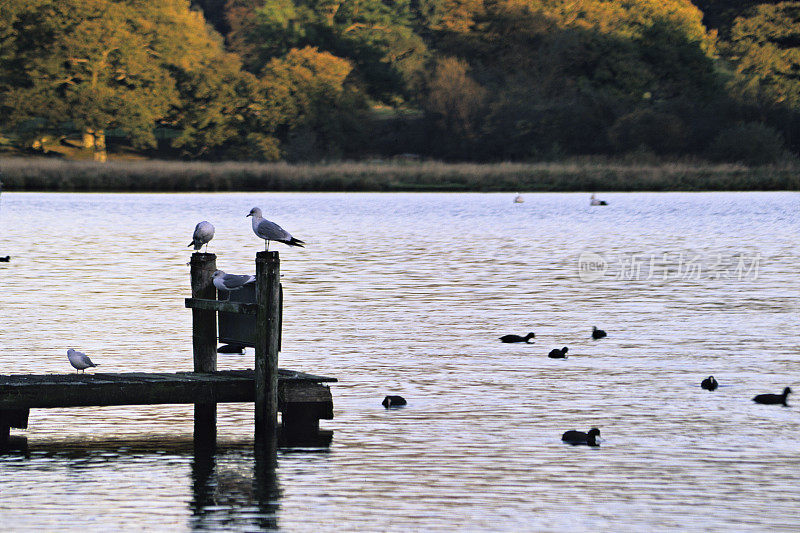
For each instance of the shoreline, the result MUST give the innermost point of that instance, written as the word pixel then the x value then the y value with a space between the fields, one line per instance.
pixel 55 175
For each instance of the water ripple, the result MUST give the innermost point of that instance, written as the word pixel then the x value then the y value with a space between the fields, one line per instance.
pixel 407 294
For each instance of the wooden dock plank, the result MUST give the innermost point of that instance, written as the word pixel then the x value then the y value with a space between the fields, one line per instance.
pixel 131 377
pixel 80 390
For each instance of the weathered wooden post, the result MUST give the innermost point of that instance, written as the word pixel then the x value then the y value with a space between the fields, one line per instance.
pixel 204 341
pixel 268 328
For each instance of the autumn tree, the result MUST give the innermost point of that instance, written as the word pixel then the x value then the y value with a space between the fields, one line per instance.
pixel 321 110
pixel 225 112
pixel 375 36
pixel 558 74
pixel 764 48
pixel 456 16
pixel 99 64
pixel 454 102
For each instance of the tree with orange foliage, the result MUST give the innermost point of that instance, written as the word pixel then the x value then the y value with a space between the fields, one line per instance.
pixel 321 108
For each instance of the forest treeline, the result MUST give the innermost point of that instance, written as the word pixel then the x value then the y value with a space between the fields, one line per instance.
pixel 472 80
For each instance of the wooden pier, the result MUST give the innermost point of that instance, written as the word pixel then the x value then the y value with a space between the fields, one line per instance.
pixel 301 398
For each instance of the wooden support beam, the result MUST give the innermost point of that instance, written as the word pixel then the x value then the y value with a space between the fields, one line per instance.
pixel 268 326
pixel 301 410
pixel 204 341
pixel 224 306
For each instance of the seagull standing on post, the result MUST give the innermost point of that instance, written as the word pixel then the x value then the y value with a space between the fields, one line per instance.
pixel 270 231
pixel 203 233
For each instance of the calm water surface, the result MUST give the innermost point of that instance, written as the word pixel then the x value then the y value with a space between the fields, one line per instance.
pixel 407 294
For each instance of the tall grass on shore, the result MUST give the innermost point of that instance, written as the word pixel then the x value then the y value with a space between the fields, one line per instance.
pixel 42 174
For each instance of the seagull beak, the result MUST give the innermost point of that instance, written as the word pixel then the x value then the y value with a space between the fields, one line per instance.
pixel 248 215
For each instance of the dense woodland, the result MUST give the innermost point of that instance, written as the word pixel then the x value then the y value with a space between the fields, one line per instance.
pixel 472 80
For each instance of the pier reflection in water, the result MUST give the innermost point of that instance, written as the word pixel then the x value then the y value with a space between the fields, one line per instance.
pixel 228 494
pixel 234 486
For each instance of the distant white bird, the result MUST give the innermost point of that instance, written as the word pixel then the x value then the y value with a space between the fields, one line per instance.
pixel 203 233
pixel 595 201
pixel 270 231
pixel 79 360
pixel 231 282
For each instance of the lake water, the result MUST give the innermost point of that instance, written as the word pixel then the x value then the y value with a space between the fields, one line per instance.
pixel 407 294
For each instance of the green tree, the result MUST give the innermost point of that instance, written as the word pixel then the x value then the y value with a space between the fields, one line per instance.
pixel 455 104
pixel 662 133
pixel 454 16
pixel 320 109
pixel 98 64
pixel 764 49
pixel 226 112
pixel 558 73
pixel 751 143
pixel 375 36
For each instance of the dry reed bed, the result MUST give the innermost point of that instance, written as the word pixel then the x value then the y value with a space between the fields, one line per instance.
pixel 42 174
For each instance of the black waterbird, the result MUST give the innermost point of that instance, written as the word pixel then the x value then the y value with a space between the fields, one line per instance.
pixel 393 401
pixel 597 333
pixel 709 383
pixel 558 354
pixel 773 399
pixel 517 338
pixel 579 437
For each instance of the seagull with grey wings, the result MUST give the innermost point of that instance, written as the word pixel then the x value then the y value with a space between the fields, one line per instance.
pixel 231 282
pixel 79 360
pixel 203 233
pixel 270 231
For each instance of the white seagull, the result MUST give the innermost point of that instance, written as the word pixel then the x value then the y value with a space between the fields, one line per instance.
pixel 203 232
pixel 270 231
pixel 79 360
pixel 595 201
pixel 231 282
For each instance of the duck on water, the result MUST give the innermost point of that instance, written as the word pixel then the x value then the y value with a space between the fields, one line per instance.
pixel 558 354
pixel 579 437
pixel 709 383
pixel 516 338
pixel 773 399
pixel 393 401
